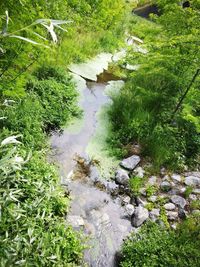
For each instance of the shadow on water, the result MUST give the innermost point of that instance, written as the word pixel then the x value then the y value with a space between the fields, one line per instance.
pixel 146 10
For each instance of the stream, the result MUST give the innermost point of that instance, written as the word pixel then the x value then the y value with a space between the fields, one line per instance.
pixel 93 210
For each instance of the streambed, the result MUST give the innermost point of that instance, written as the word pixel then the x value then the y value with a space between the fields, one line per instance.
pixel 93 210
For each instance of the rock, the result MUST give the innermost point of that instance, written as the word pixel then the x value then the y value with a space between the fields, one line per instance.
pixel 105 219
pixel 131 162
pixel 179 201
pixel 140 216
pixel 75 221
pixel 192 181
pixel 139 171
pixel 176 178
pixel 192 197
pixel 153 199
pixel 172 215
pixel 169 206
pixel 112 188
pixel 140 202
pixel 196 191
pixel 121 177
pixel 182 190
pixel 142 191
pixel 182 214
pixel 165 186
pixel 152 180
pixel 131 67
pixel 196 174
pixel 125 200
pixel 94 174
pixel 154 214
pixel 130 209
pixel 166 178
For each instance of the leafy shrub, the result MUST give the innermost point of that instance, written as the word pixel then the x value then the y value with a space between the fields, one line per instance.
pixel 155 246
pixel 135 184
pixel 25 117
pixel 33 231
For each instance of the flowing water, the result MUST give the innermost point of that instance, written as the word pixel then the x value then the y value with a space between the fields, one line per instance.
pixel 102 217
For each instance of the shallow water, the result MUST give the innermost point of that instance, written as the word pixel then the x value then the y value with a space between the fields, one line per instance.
pixel 104 218
pixel 76 137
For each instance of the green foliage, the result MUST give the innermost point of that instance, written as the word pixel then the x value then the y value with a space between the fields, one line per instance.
pixel 188 191
pixel 57 96
pixel 155 246
pixel 151 190
pixel 32 229
pixel 135 184
pixel 195 204
pixel 144 111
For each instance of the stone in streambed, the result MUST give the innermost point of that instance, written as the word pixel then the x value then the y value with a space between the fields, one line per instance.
pixel 179 201
pixel 154 214
pixel 130 163
pixel 121 177
pixel 169 206
pixel 165 186
pixel 140 216
pixel 192 181
pixel 129 209
pixel 75 221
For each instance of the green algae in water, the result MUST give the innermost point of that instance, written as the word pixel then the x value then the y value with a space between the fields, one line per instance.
pixel 98 148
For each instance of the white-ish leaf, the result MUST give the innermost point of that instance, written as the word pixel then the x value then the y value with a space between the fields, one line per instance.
pixel 7 21
pixel 50 29
pixel 59 27
pixel 11 140
pixel 7 102
pixel 28 40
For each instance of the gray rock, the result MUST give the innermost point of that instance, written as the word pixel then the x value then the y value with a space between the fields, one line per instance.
pixel 112 188
pixel 165 186
pixel 125 200
pixel 122 177
pixel 140 216
pixel 140 202
pixel 196 191
pixel 179 201
pixel 166 178
pixel 130 209
pixel 176 178
pixel 130 163
pixel 152 180
pixel 94 174
pixel 154 214
pixel 75 221
pixel 196 174
pixel 153 199
pixel 169 206
pixel 182 214
pixel 139 171
pixel 172 215
pixel 142 191
pixel 192 181
pixel 192 197
pixel 182 190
